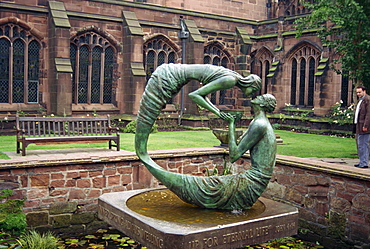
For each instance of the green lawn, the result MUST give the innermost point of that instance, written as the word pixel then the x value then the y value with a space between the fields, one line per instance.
pixel 296 144
pixel 311 145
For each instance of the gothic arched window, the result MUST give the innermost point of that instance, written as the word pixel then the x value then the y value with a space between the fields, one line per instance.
pixel 214 55
pixel 157 51
pixel 267 69
pixel 92 60
pixel 263 62
pixel 19 65
pixel 295 7
pixel 311 81
pixel 293 83
pixel 303 68
pixel 302 81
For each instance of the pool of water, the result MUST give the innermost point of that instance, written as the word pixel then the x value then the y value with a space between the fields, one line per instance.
pixel 165 205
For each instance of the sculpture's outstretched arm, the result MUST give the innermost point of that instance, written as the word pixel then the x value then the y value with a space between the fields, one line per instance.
pixel 199 96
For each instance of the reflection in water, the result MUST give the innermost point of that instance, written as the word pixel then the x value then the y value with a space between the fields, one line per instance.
pixel 165 205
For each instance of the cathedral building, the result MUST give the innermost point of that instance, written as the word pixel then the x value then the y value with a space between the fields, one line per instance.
pixel 73 57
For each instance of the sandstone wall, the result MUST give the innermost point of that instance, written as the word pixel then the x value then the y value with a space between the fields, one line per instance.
pixel 238 29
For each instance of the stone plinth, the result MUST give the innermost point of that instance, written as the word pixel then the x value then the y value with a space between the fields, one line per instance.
pixel 278 220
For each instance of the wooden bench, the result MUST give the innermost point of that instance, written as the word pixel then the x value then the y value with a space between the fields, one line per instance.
pixel 56 130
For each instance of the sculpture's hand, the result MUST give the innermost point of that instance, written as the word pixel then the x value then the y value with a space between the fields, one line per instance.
pixel 227 116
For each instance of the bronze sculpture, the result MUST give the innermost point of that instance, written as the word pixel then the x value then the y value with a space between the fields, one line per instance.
pixel 219 192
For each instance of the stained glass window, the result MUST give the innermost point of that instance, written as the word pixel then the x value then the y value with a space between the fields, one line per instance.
pixel 4 67
pixel 302 81
pixel 19 65
pixel 267 69
pixel 108 75
pixel 92 60
pixel 96 72
pixel 33 71
pixel 293 83
pixel 311 82
pixel 158 51
pixel 73 54
pixel 83 74
pixel 304 63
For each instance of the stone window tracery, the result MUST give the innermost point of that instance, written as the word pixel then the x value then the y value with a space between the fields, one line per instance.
pixel 19 65
pixel 92 58
pixel 303 66
pixel 261 66
pixel 295 7
pixel 157 52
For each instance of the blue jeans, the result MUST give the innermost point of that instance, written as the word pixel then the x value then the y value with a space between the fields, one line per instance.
pixel 363 148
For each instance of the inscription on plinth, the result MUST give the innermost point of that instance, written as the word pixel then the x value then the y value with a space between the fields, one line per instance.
pixel 278 220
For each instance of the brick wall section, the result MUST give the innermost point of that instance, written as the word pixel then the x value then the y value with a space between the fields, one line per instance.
pixel 333 199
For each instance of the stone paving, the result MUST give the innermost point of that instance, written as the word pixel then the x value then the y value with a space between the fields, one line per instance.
pixel 37 156
pixel 343 161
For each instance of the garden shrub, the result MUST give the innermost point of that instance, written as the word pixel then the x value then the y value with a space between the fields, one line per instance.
pixel 34 240
pixel 12 219
pixel 131 128
pixel 339 115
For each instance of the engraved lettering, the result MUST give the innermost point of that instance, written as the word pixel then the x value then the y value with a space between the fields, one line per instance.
pixel 194 244
pixel 261 231
pixel 155 240
pixel 209 242
pixel 237 236
pixel 284 227
pixel 248 234
pixel 280 228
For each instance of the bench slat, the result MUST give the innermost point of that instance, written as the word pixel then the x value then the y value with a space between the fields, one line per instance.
pixel 74 138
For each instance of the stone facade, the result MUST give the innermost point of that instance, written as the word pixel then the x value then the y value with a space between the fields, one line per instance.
pixel 95 56
pixel 61 194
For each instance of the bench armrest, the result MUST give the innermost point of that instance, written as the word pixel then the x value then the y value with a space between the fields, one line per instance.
pixel 113 129
pixel 20 132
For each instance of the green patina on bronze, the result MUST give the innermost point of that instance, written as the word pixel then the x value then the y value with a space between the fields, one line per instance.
pixel 239 191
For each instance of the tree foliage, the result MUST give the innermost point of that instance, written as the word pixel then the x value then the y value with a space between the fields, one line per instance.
pixel 343 25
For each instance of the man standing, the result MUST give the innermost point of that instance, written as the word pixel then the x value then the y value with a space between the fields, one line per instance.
pixel 362 123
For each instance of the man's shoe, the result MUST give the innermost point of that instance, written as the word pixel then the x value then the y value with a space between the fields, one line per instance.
pixel 356 165
pixel 362 167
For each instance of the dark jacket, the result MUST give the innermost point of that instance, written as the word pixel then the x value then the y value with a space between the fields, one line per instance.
pixel 364 116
